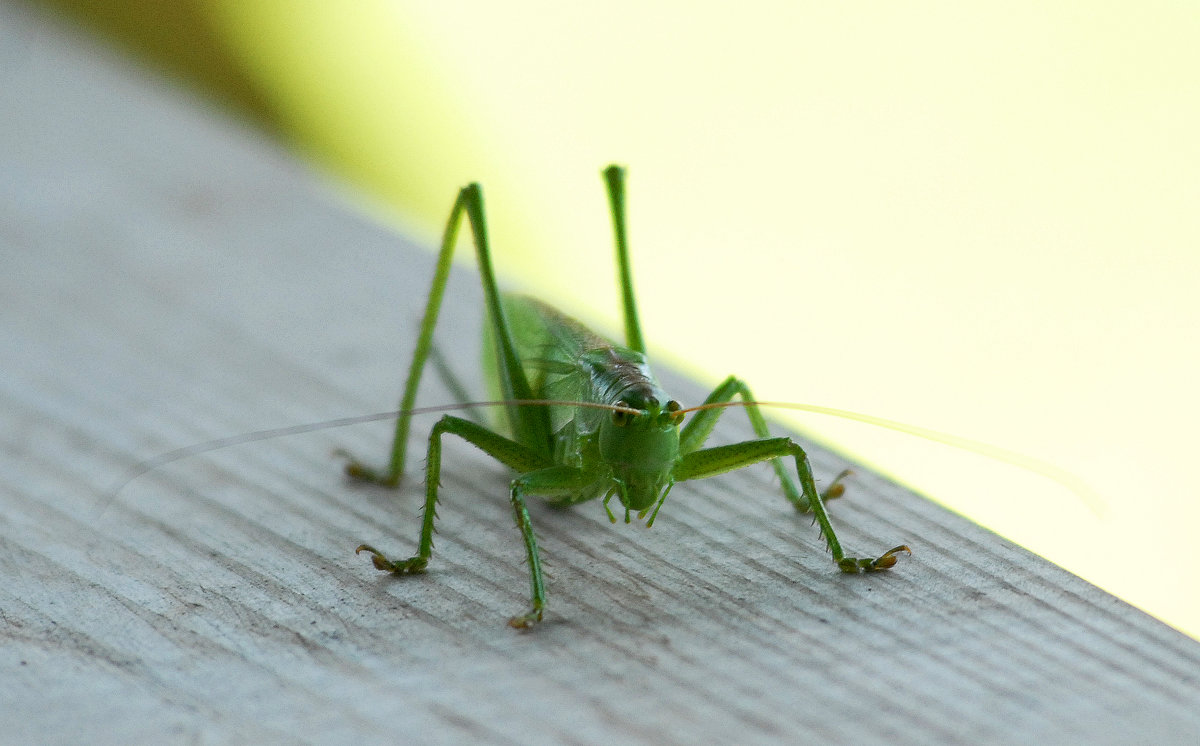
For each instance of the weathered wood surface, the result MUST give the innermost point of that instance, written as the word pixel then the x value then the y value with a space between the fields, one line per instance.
pixel 167 277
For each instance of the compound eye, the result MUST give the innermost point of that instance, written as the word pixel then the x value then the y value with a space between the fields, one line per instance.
pixel 673 408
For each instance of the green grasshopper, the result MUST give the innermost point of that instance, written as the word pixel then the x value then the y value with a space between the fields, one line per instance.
pixel 586 418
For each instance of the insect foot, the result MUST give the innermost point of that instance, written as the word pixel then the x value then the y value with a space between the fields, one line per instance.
pixel 885 560
pixel 360 472
pixel 526 621
pixel 410 566
pixel 837 487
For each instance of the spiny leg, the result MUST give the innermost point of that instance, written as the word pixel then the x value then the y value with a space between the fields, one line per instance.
pixel 696 432
pixel 561 481
pixel 712 461
pixel 537 584
pixel 502 449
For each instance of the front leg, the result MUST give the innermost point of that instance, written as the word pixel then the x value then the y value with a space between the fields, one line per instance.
pixel 696 432
pixel 507 452
pixel 712 461
pixel 549 482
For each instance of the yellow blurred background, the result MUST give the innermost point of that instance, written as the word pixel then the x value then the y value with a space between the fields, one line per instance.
pixel 980 218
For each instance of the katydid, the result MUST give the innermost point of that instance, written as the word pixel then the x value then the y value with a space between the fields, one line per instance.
pixel 586 418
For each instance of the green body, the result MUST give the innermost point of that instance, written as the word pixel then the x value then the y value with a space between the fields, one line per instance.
pixel 565 361
pixel 612 431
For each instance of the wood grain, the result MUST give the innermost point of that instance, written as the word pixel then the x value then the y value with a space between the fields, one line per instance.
pixel 169 276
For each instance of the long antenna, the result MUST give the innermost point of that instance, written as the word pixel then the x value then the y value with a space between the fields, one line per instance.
pixel 162 459
pixel 1071 481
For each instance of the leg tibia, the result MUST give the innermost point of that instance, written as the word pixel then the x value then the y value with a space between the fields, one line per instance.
pixel 533 426
pixel 553 480
pixel 537 584
pixel 390 477
pixel 614 181
pixel 712 461
pixel 697 430
pixel 502 449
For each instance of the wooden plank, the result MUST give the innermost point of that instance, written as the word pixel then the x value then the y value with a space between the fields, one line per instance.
pixel 170 277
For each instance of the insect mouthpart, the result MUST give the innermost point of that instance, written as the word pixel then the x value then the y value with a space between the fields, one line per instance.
pixel 616 432
pixel 634 501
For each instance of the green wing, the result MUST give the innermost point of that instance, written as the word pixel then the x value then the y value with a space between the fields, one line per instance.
pixel 551 346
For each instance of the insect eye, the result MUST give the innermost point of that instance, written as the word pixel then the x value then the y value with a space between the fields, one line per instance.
pixel 673 407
